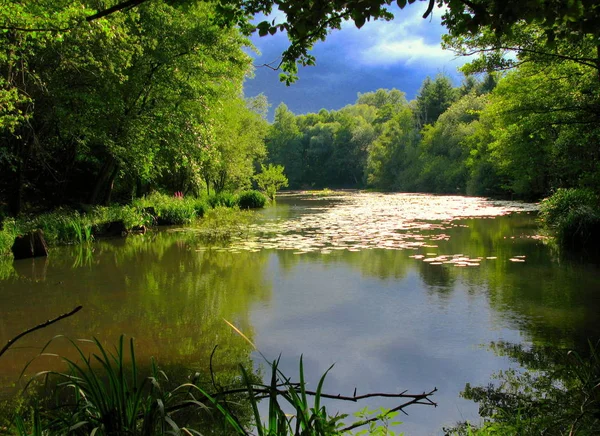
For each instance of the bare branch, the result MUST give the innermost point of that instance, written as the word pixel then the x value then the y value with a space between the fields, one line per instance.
pixel 38 327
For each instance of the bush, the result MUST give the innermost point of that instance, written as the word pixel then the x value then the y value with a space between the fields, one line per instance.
pixel 574 215
pixel 8 234
pixel 223 198
pixel 251 200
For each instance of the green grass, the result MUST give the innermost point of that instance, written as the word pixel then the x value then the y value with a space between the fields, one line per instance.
pixel 173 210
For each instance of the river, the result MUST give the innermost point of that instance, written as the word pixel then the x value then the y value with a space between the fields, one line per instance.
pixel 399 291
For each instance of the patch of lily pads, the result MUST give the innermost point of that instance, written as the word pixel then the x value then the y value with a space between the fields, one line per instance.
pixel 365 221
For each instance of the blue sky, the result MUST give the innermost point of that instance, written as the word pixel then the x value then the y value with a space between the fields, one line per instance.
pixel 396 54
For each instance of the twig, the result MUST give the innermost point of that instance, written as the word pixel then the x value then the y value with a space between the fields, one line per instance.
pixel 395 409
pixel 266 390
pixel 37 327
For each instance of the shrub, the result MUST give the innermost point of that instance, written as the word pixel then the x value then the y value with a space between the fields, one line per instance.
pixel 223 198
pixel 8 232
pixel 251 200
pixel 200 206
pixel 573 214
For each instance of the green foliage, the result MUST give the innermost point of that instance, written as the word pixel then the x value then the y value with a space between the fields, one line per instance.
pixel 379 422
pixel 171 209
pixel 222 199
pixel 61 226
pixel 306 418
pixel 148 98
pixel 251 200
pixel 8 233
pixel 434 98
pixel 574 215
pixel 271 179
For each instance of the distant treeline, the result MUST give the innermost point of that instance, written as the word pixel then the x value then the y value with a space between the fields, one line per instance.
pixel 522 134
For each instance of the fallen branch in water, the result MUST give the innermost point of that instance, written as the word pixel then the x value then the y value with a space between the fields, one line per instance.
pixel 11 342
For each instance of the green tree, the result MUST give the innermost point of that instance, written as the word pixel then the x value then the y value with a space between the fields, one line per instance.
pixel 392 160
pixel 271 179
pixel 434 97
pixel 284 144
pixel 444 150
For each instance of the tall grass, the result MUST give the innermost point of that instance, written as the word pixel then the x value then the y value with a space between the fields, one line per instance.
pixel 8 233
pixel 104 394
pixel 67 226
pixel 173 210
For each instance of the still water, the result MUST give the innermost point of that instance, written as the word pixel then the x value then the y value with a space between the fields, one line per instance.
pixel 400 292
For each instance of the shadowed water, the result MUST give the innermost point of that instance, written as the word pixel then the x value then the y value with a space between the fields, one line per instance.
pixel 399 291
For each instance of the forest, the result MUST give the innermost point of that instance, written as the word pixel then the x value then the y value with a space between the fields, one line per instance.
pixel 520 134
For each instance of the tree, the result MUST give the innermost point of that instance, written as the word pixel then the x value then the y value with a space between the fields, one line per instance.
pixel 271 179
pixel 434 97
pixel 237 145
pixel 391 162
pixel 444 149
pixel 119 105
pixel 284 145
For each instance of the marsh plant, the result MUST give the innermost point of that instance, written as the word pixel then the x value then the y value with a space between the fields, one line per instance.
pixel 222 224
pixel 104 394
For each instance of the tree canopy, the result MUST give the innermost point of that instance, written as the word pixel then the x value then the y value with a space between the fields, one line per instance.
pixel 306 24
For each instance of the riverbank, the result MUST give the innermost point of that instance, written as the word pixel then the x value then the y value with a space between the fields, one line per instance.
pixel 74 226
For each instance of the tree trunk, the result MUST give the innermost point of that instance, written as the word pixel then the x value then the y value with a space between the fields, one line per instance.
pixel 110 186
pixel 103 178
pixel 16 195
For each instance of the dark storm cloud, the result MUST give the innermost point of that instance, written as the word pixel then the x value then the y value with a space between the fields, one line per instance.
pixel 396 54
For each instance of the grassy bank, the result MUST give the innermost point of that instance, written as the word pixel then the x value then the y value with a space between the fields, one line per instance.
pixel 69 226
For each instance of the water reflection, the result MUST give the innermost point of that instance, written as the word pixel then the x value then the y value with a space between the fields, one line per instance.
pixel 156 288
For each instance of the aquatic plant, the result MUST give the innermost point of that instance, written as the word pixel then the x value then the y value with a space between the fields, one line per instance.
pixel 251 200
pixel 221 224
